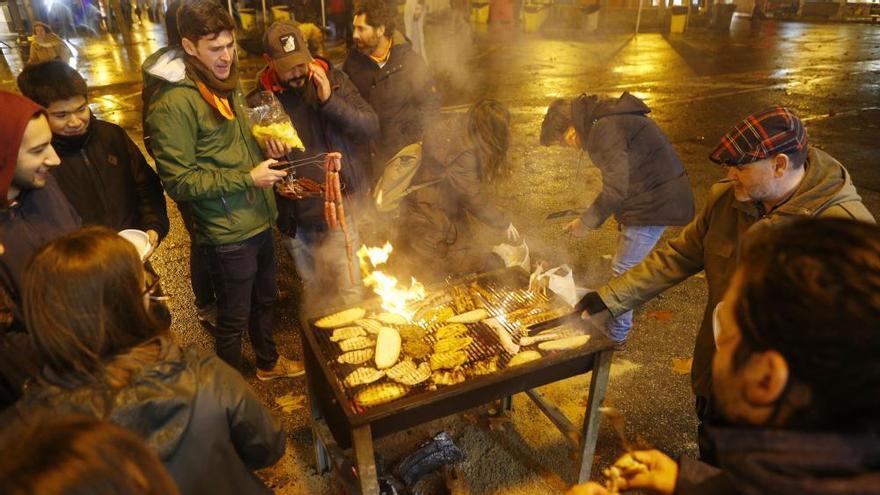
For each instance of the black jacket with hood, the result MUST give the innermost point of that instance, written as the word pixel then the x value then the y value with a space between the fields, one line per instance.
pixel 643 181
pixel 401 92
pixel 335 125
pixel 197 413
pixel 107 180
pixel 758 462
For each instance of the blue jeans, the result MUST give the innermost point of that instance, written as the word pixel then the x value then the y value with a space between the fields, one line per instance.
pixel 243 274
pixel 322 265
pixel 633 244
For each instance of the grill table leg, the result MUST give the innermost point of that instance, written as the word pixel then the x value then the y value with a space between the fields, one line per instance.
pixel 598 384
pixel 506 403
pixel 362 444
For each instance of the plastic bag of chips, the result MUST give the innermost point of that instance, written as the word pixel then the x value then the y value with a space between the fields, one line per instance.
pixel 269 120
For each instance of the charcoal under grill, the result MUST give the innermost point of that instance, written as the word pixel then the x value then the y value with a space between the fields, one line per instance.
pixel 335 412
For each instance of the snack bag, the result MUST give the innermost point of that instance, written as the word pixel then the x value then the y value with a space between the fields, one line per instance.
pixel 269 120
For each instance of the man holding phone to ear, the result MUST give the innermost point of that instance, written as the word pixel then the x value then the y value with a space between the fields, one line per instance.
pixel 329 114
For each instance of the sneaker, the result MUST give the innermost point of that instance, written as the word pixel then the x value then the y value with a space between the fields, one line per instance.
pixel 284 368
pixel 208 314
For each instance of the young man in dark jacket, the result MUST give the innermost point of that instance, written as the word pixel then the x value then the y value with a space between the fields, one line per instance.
pixel 392 78
pixel 103 173
pixel 33 211
pixel 796 373
pixel 644 184
pixel 207 156
pixel 328 113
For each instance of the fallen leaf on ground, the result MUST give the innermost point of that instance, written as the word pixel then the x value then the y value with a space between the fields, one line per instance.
pixel 470 417
pixel 682 366
pixel 498 423
pixel 290 402
pixel 606 256
pixel 662 316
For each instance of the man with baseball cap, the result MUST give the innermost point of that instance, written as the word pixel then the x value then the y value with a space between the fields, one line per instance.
pixel 329 115
pixel 773 175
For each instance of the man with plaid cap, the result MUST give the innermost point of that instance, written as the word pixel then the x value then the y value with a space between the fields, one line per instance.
pixel 773 176
pixel 329 115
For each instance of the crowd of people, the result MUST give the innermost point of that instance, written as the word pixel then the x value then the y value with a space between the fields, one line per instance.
pixel 783 362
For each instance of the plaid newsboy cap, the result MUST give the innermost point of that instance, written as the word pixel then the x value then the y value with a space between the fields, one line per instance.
pixel 759 136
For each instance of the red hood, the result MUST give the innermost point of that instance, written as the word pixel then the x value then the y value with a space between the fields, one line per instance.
pixel 18 111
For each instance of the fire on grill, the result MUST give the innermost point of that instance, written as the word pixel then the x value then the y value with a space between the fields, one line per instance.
pixel 413 341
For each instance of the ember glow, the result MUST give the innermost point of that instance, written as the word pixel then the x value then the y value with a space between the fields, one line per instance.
pixel 395 297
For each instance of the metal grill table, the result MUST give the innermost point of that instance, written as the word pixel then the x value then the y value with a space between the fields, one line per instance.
pixel 338 424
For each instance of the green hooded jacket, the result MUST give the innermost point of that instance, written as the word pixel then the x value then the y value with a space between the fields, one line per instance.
pixel 713 242
pixel 203 159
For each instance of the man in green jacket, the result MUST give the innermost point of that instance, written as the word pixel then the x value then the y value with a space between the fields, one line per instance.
pixel 773 175
pixel 206 157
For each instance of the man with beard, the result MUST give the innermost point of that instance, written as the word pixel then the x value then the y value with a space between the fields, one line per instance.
pixel 392 78
pixel 33 212
pixel 207 157
pixel 103 173
pixel 328 114
pixel 795 370
pixel 773 176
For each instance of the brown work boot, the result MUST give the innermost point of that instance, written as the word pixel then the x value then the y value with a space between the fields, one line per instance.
pixel 284 368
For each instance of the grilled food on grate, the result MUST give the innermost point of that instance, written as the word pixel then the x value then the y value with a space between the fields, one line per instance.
pixel 407 373
pixel 434 315
pixel 451 331
pixel 447 360
pixel 363 376
pixel 552 334
pixel 411 332
pixel 469 317
pixel 563 344
pixel 451 377
pixel 416 348
pixel 391 318
pixel 347 333
pixel 356 357
pixel 461 300
pixel 373 395
pixel 369 325
pixel 355 343
pixel 453 344
pixel 341 318
pixel 484 367
pixel 387 347
pixel 543 316
pixel 524 357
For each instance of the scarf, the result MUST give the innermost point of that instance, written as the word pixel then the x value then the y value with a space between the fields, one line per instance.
pixel 213 90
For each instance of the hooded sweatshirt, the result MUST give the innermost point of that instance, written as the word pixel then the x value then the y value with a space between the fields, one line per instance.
pixel 643 180
pixel 36 216
pixel 192 409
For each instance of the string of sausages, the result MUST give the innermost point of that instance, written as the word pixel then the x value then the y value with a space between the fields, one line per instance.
pixel 334 212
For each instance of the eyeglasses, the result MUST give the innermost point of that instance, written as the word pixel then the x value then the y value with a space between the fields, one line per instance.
pixel 151 280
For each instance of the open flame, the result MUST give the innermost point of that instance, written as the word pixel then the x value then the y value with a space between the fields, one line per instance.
pixel 395 297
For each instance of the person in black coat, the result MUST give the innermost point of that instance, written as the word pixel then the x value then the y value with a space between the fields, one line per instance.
pixel 329 115
pixel 393 78
pixel 103 173
pixel 644 184
pixel 116 361
pixel 33 211
pixel 795 372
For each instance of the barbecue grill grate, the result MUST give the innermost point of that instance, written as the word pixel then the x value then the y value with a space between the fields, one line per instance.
pixel 493 294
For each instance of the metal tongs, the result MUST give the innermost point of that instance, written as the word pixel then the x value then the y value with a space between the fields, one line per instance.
pixel 300 162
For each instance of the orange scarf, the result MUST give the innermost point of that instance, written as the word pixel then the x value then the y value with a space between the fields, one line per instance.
pixel 218 102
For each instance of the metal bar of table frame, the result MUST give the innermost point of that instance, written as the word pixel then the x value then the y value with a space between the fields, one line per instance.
pixel 362 440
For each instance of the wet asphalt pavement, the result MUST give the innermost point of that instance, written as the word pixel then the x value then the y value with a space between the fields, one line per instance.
pixel 697 84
